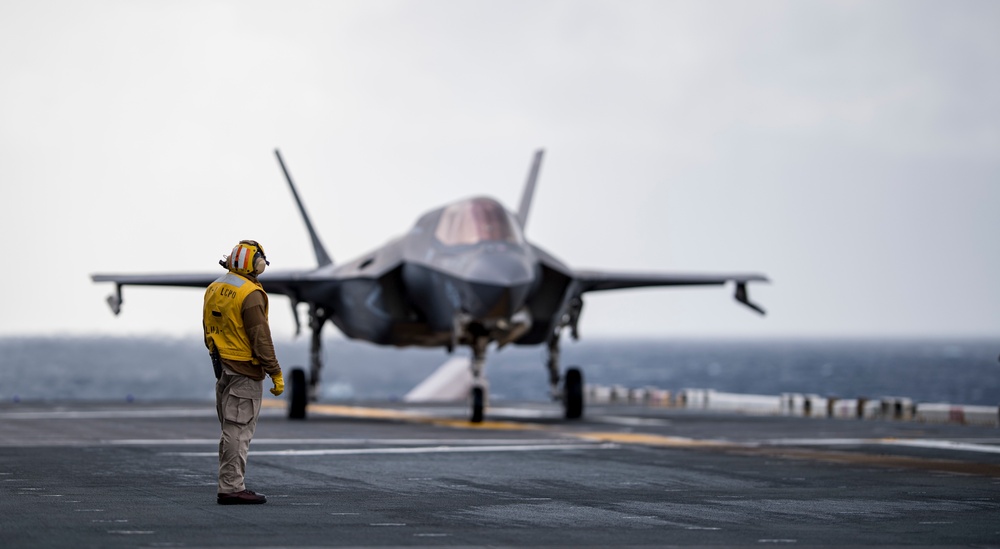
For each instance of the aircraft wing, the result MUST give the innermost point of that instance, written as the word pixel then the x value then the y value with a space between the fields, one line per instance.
pixel 187 280
pixel 594 281
pixel 297 285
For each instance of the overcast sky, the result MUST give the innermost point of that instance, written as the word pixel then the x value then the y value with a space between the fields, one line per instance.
pixel 848 150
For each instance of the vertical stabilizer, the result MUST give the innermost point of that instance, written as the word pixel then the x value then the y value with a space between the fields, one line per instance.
pixel 321 256
pixel 529 189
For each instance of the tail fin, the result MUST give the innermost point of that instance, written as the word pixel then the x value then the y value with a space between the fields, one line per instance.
pixel 529 189
pixel 321 256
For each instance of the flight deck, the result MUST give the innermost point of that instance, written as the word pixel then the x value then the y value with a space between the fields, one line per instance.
pixel 391 475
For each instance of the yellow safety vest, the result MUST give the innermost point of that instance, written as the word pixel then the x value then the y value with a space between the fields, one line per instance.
pixel 223 316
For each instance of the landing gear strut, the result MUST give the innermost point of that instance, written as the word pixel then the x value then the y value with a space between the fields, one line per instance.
pixel 478 394
pixel 304 390
pixel 571 394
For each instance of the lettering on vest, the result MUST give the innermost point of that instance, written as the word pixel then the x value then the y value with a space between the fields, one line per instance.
pixel 222 317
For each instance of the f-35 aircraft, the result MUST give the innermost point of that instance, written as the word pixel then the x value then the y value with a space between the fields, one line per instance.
pixel 464 275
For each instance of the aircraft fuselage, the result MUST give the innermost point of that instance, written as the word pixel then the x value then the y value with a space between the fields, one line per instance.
pixel 463 275
pixel 427 289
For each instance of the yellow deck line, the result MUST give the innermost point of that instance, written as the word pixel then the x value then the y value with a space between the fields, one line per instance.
pixel 650 440
pixel 416 417
pixel 624 438
pixel 986 469
pixel 403 415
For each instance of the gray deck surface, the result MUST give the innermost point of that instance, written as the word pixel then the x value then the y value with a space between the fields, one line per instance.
pixel 388 475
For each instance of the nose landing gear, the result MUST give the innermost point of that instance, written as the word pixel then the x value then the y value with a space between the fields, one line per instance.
pixel 478 393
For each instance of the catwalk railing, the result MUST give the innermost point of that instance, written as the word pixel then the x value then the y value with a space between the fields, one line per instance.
pixel 796 404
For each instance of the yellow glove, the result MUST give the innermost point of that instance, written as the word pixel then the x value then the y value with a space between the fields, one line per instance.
pixel 279 384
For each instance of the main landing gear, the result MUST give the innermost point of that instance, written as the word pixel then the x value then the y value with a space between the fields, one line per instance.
pixel 297 394
pixel 571 392
pixel 302 390
pixel 478 396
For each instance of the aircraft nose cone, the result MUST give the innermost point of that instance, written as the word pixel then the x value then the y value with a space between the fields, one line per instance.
pixel 500 285
pixel 501 270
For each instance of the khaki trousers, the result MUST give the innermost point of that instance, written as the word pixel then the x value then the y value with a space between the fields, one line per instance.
pixel 237 400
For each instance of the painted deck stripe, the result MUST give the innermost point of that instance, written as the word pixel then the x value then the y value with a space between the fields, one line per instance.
pixel 653 440
pixel 638 438
pixel 340 441
pixel 406 415
pixel 904 442
pixel 412 450
pixel 111 414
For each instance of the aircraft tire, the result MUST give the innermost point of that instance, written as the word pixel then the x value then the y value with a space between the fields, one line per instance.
pixel 478 401
pixel 297 394
pixel 573 393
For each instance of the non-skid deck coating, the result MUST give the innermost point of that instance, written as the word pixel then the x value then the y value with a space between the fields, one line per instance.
pixel 388 475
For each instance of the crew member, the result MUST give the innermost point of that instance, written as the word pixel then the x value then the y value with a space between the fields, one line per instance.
pixel 239 341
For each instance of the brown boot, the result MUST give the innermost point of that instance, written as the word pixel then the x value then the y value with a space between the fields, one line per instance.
pixel 246 497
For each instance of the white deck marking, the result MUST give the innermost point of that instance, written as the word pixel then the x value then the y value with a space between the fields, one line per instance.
pixel 111 414
pixel 943 445
pixel 412 450
pixel 276 408
pixel 905 442
pixel 338 441
pixel 524 413
pixel 632 421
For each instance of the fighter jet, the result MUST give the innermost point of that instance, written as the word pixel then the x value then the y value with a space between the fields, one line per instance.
pixel 464 275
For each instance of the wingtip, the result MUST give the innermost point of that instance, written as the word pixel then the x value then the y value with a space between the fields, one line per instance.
pixel 743 297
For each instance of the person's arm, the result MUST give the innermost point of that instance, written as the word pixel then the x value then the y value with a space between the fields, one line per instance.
pixel 259 333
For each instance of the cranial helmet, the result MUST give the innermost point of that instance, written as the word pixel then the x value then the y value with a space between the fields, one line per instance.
pixel 247 257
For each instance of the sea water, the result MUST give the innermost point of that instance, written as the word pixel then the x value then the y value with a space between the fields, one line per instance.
pixel 960 371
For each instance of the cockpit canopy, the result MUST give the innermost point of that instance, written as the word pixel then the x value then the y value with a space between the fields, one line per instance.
pixel 476 220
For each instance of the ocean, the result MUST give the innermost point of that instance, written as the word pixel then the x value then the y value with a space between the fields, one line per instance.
pixel 959 371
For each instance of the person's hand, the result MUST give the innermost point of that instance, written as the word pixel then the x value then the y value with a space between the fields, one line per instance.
pixel 279 384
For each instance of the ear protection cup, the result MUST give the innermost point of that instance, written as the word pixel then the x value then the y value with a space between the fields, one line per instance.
pixel 247 257
pixel 260 261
